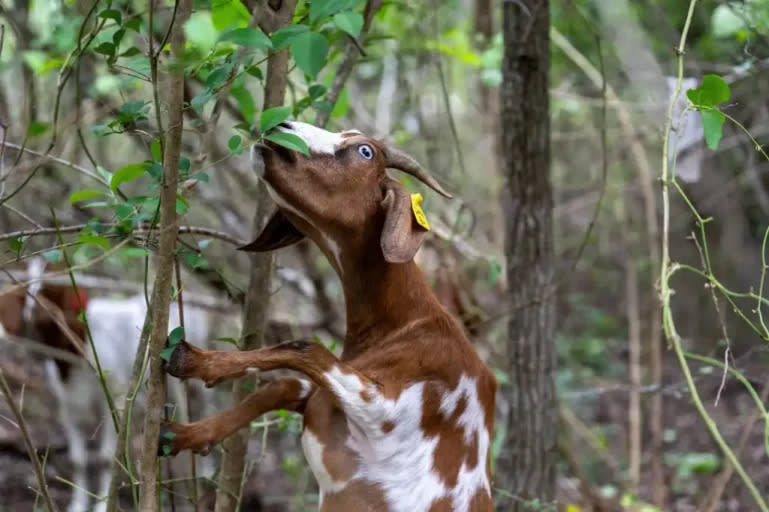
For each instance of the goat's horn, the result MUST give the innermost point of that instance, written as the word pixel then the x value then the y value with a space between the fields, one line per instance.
pixel 399 160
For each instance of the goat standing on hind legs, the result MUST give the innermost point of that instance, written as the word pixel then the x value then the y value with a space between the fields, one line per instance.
pixel 403 420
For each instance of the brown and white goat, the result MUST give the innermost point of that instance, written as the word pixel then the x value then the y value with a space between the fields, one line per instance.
pixel 402 421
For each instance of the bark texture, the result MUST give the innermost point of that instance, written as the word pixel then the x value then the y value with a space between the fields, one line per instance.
pixel 161 291
pixel 258 293
pixel 527 464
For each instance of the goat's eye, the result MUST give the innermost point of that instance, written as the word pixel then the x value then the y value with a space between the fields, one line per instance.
pixel 365 151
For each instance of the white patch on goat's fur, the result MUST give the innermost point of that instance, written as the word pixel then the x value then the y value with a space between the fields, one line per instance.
pixel 313 452
pixel 317 139
pixel 306 388
pixel 472 420
pixel 400 461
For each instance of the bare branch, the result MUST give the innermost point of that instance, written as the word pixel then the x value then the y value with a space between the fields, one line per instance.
pixel 27 442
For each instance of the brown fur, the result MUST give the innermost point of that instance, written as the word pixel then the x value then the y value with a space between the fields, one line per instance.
pixel 398 334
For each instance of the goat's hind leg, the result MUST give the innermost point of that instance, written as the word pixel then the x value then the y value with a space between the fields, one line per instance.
pixel 287 393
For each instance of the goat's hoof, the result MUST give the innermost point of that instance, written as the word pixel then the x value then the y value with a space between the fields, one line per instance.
pixel 177 363
pixel 175 437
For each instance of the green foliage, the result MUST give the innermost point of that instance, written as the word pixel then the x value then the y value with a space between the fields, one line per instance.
pixel 290 141
pixel 272 117
pixel 125 174
pixel 349 21
pixel 310 50
pixel 706 98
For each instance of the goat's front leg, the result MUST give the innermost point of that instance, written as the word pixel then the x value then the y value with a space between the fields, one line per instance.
pixel 287 393
pixel 359 396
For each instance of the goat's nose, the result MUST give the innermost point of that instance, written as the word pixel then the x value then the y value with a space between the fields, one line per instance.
pixel 286 125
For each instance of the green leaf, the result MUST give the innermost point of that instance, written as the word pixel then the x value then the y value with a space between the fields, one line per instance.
pixel 290 141
pixel 310 50
pixel 233 341
pixel 192 259
pixel 228 13
pixel 157 153
pixel 713 124
pixel 82 195
pixel 169 435
pixel 105 49
pixel 245 103
pixel 316 91
pixel 321 8
pixel 284 35
pixel 53 256
pixel 218 76
pixel 234 143
pixel 176 335
pixel 134 24
pixel 200 176
pixel 165 355
pixel 181 205
pixel 349 21
pixel 16 244
pixel 125 174
pixel 112 14
pixel 36 128
pixel 200 31
pixel 272 117
pixel 98 241
pixel 131 52
pixel 342 105
pixel 712 92
pixel 248 37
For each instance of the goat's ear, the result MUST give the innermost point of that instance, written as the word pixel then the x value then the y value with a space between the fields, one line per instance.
pixel 401 235
pixel 279 232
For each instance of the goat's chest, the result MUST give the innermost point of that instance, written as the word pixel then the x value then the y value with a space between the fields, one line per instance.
pixel 427 448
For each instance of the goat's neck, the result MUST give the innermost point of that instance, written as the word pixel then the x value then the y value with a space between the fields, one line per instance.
pixel 380 299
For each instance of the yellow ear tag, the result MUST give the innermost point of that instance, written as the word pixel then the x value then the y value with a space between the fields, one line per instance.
pixel 418 213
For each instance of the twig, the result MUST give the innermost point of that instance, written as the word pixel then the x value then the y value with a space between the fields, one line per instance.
pixel 667 269
pixel 46 156
pixel 348 62
pixel 193 468
pixel 186 230
pixel 31 452
pixel 721 319
pixel 94 353
pixel 148 495
pixel 712 499
pixel 22 215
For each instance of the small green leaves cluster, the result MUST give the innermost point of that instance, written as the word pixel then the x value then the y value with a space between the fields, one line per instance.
pixel 711 93
pixel 174 338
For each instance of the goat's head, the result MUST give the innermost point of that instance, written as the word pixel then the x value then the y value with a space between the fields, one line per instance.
pixel 340 196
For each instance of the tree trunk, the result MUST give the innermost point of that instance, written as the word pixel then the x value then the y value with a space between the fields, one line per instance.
pixel 258 294
pixel 161 290
pixel 527 464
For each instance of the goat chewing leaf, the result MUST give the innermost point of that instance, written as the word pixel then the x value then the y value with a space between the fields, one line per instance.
pixel 272 117
pixel 175 336
pixel 165 354
pixel 290 141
